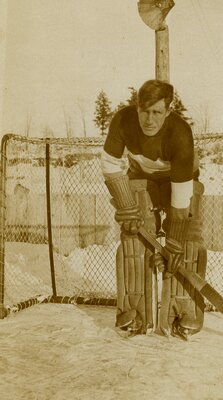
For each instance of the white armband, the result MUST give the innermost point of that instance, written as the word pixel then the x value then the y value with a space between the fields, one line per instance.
pixel 181 193
pixel 112 165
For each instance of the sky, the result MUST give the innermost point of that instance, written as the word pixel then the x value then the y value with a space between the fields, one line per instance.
pixel 56 56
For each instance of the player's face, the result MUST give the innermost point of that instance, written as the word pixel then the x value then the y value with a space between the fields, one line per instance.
pixel 151 118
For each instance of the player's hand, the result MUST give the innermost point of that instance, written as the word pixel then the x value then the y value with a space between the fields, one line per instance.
pixel 176 252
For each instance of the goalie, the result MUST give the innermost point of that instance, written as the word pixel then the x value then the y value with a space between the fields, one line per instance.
pixel 162 176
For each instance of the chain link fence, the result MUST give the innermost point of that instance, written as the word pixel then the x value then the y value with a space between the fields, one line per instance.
pixel 210 151
pixel 75 254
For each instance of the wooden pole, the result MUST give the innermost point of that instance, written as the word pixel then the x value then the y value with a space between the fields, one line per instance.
pixel 162 54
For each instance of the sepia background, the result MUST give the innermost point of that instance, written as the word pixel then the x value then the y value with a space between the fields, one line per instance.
pixel 55 57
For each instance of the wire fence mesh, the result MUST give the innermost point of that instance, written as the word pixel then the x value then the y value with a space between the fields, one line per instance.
pixel 85 236
pixel 210 150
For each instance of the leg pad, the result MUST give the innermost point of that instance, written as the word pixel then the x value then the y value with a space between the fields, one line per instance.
pixel 135 286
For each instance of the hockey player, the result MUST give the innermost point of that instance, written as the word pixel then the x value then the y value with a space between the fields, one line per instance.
pixel 160 150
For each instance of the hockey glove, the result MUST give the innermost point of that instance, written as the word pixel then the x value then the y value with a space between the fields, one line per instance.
pixel 176 236
pixel 175 258
pixel 130 219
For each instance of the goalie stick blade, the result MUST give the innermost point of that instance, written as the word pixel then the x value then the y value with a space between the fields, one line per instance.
pixel 204 288
pixel 213 297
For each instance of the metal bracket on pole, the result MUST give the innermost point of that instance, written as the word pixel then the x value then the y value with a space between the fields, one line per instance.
pixel 154 12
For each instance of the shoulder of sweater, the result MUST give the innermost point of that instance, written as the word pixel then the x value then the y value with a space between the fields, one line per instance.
pixel 176 120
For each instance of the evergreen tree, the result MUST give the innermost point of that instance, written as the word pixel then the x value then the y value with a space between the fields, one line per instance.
pixel 133 96
pixel 178 107
pixel 103 112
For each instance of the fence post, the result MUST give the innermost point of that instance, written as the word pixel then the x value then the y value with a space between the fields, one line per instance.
pixel 49 226
pixel 3 311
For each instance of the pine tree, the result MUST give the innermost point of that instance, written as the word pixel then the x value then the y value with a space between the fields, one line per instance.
pixel 178 107
pixel 103 112
pixel 133 96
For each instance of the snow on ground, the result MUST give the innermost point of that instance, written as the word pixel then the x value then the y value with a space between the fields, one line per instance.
pixel 27 271
pixel 58 352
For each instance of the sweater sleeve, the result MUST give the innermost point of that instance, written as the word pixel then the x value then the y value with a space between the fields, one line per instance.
pixel 182 155
pixel 182 160
pixel 114 143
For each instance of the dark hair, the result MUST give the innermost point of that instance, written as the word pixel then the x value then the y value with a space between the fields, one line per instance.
pixel 154 90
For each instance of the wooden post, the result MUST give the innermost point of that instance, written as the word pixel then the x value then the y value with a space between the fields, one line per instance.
pixel 162 54
pixel 153 14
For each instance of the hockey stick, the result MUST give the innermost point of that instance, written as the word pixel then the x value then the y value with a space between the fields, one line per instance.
pixel 194 279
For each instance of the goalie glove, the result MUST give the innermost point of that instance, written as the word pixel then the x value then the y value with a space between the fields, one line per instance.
pixel 130 219
pixel 128 213
pixel 175 257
